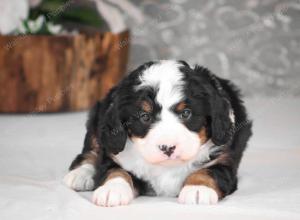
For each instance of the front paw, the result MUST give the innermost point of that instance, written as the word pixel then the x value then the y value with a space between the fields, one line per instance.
pixel 198 194
pixel 81 178
pixel 114 192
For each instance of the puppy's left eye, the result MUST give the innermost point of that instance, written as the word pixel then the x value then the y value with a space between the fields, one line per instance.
pixel 185 114
pixel 145 118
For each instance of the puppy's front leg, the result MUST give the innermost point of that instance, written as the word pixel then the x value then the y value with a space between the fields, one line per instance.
pixel 116 190
pixel 82 171
pixel 208 186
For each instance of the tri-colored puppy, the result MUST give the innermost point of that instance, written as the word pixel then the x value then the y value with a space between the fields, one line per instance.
pixel 167 129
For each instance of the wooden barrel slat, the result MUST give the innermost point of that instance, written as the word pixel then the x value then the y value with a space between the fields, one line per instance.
pixel 59 73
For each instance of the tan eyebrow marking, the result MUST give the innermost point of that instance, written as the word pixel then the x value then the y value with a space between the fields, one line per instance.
pixel 146 106
pixel 180 106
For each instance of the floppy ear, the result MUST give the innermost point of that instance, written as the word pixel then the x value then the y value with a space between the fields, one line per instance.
pixel 222 122
pixel 221 119
pixel 113 132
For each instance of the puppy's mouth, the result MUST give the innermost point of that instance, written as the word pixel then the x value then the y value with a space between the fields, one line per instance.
pixel 171 162
pixel 175 159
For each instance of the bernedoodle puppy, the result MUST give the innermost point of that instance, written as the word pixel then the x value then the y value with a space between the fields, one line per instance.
pixel 167 129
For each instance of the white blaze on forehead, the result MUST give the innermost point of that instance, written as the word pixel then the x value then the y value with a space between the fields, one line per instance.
pixel 167 78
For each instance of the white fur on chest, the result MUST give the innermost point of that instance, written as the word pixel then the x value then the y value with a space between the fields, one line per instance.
pixel 165 180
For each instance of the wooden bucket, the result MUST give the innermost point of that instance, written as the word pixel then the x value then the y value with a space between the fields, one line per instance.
pixel 59 73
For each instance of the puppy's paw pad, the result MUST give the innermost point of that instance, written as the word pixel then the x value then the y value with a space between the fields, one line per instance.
pixel 81 178
pixel 114 192
pixel 193 194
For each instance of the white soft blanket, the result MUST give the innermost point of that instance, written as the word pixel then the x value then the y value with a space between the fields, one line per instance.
pixel 35 152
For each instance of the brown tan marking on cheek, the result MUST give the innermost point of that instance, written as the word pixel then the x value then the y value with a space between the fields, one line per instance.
pixel 203 135
pixel 146 106
pixel 201 177
pixel 114 173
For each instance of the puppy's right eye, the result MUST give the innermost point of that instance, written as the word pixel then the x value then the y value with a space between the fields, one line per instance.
pixel 185 114
pixel 145 117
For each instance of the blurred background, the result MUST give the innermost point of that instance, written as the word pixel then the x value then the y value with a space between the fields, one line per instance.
pixel 254 43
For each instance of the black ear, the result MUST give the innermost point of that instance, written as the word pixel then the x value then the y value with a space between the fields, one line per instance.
pixel 222 124
pixel 221 121
pixel 113 132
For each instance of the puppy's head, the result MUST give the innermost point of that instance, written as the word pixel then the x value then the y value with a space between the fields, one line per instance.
pixel 167 111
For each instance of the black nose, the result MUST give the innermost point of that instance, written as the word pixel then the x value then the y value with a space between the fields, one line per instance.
pixel 168 150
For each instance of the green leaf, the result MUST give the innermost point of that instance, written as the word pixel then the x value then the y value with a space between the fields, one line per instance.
pixel 61 11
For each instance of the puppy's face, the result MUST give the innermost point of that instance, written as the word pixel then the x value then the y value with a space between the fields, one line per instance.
pixel 168 125
pixel 168 136
pixel 166 111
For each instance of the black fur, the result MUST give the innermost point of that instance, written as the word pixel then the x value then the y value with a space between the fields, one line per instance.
pixel 211 99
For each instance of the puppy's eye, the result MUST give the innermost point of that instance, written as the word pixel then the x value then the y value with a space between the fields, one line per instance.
pixel 145 117
pixel 185 114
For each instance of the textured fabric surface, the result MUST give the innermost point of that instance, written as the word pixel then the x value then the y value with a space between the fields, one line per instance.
pixel 35 151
